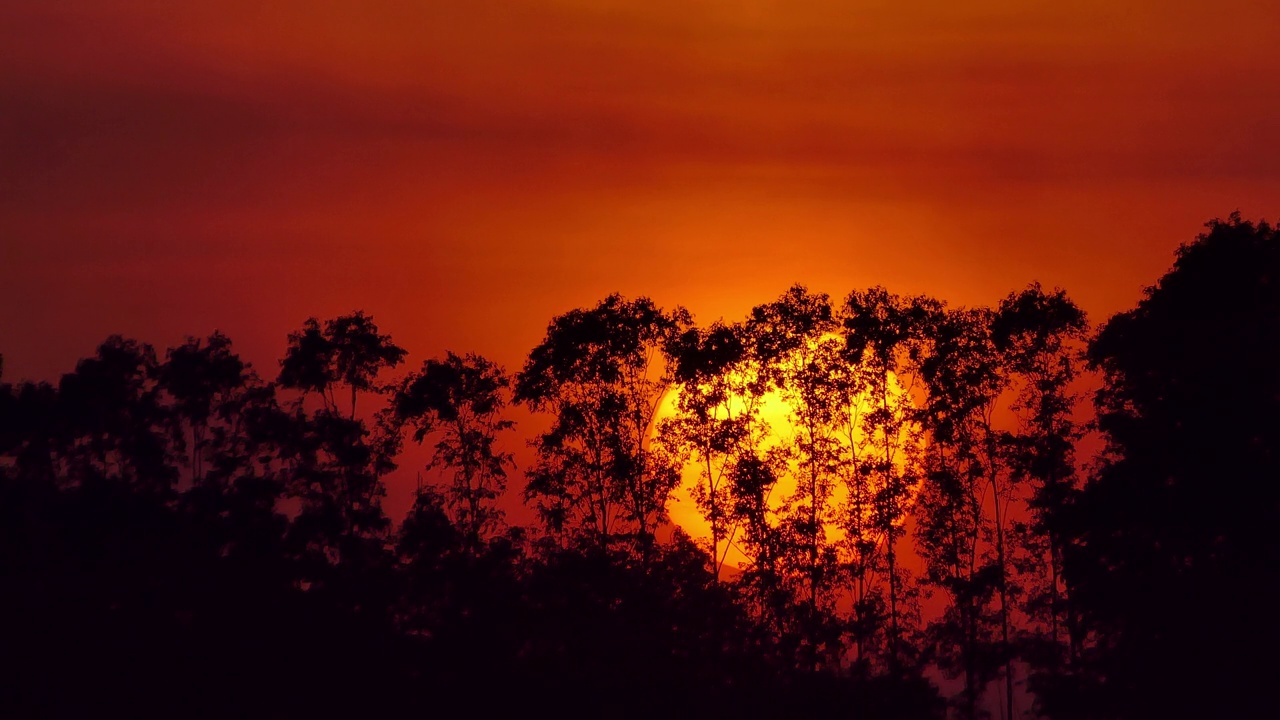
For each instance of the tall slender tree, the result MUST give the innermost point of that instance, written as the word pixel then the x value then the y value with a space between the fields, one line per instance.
pixel 861 544
pixel 224 417
pixel 601 373
pixel 347 352
pixel 460 401
pixel 1041 337
pixel 717 421
pixel 334 460
pixel 885 334
pixel 795 341
pixel 955 529
pixel 200 377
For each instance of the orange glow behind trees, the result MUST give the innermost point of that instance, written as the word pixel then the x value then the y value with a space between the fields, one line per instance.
pixel 876 475
pixel 807 434
pixel 777 429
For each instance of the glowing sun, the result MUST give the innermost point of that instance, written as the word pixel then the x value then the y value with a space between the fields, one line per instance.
pixel 778 414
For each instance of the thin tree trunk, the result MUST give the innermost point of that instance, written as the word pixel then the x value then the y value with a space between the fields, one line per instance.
pixel 715 519
pixel 889 534
pixel 196 441
pixel 893 603
pixel 1003 579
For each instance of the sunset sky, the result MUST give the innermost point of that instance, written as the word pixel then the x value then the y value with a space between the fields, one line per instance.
pixel 466 170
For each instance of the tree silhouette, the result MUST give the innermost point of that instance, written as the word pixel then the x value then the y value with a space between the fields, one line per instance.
pixel 1040 336
pixel 884 332
pixel 111 410
pixel 989 380
pixel 333 461
pixel 348 351
pixel 1017 361
pixel 949 529
pixel 601 373
pixel 212 397
pixel 1173 558
pixel 751 484
pixel 794 340
pixel 721 388
pixel 461 401
pixel 200 377
pixel 181 536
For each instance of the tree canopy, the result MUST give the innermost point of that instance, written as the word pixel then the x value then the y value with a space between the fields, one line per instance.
pixel 916 533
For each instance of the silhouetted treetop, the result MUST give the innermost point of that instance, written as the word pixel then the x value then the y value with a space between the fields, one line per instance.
pixel 889 485
pixel 348 350
pixel 601 372
pixel 460 400
pixel 446 389
pixel 1174 558
pixel 790 322
pixel 196 372
pixel 701 354
pixel 882 323
pixel 1216 309
pixel 1034 321
pixel 598 345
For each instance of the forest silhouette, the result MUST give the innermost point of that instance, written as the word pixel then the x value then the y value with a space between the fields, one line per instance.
pixel 181 536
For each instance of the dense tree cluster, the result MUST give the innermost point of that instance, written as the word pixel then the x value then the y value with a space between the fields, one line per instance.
pixel 907 483
pixel 181 537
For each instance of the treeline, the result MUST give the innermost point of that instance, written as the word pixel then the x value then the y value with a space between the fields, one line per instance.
pixel 892 424
pixel 180 536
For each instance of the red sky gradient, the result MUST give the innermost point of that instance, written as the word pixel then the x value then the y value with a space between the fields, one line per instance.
pixel 466 170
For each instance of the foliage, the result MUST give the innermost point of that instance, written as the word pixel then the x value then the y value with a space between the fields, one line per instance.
pixel 179 535
pixel 717 423
pixel 601 373
pixel 461 400
pixel 1172 561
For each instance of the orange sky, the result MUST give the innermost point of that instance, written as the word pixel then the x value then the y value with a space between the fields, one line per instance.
pixel 466 170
